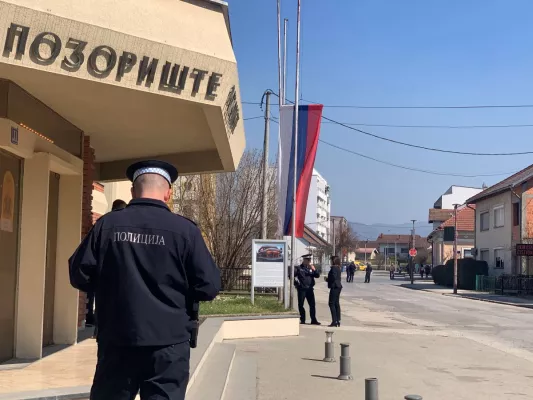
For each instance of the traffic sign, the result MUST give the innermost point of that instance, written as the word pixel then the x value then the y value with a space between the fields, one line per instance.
pixel 412 252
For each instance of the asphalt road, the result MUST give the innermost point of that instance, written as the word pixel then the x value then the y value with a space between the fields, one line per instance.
pixel 384 303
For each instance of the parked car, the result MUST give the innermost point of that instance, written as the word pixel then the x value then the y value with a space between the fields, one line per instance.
pixel 269 253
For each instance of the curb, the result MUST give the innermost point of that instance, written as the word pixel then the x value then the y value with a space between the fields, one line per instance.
pixel 528 306
pixel 71 393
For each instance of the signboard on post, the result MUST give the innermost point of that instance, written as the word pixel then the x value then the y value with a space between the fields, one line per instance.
pixel 413 252
pixel 524 250
pixel 269 258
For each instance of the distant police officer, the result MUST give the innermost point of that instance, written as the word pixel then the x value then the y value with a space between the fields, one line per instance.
pixel 304 280
pixel 146 266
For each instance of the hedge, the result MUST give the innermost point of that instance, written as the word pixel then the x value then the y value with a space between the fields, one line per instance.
pixel 467 270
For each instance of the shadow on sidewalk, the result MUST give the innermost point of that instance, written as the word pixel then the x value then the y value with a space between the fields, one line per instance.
pixel 422 286
pixel 313 359
pixel 324 377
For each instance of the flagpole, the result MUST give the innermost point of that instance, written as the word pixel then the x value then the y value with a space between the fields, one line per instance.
pixel 295 166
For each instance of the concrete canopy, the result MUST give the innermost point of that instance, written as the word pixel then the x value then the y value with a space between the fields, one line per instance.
pixel 153 79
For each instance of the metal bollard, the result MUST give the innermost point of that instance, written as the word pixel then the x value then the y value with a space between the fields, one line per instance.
pixel 330 351
pixel 371 389
pixel 413 397
pixel 346 367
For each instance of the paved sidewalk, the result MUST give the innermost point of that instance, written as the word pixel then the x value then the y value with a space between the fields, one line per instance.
pixel 425 360
pixel 524 302
pixel 70 370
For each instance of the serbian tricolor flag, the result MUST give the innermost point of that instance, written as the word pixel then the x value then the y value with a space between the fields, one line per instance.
pixel 309 117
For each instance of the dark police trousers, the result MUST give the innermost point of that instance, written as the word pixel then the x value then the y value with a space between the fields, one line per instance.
pixel 367 277
pixel 308 294
pixel 155 372
pixel 334 304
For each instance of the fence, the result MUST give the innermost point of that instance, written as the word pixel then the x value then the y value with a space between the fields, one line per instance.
pixel 239 279
pixel 521 285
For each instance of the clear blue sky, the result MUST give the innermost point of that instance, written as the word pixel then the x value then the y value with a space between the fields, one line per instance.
pixel 401 53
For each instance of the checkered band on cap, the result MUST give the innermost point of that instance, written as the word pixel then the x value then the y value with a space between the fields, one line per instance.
pixel 158 171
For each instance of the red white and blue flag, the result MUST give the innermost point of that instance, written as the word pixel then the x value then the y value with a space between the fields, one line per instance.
pixel 309 117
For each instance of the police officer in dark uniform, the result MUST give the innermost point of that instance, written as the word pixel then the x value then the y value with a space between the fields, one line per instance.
pixel 304 280
pixel 146 265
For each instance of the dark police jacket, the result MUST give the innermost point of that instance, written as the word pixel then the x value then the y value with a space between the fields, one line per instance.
pixel 334 277
pixel 145 265
pixel 305 277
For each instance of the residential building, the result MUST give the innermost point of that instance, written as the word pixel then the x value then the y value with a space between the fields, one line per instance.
pixel 312 243
pixel 437 216
pixel 455 195
pixel 443 251
pixel 87 88
pixel 504 218
pixel 367 250
pixel 318 211
pixel 390 245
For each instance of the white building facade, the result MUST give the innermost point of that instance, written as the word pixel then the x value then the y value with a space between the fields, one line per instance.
pixel 318 216
pixel 455 195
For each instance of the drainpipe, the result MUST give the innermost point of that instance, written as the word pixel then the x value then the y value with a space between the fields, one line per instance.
pixel 521 223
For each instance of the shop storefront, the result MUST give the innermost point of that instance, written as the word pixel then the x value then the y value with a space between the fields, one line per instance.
pixel 85 90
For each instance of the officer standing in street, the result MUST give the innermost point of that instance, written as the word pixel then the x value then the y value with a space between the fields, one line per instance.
pixel 146 266
pixel 304 280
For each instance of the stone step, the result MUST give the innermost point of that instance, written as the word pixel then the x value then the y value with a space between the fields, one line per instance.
pixel 242 380
pixel 212 379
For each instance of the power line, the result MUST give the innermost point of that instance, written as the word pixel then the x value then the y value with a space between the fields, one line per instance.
pixel 409 107
pixel 411 168
pixel 259 116
pixel 424 147
pixel 418 146
pixel 428 107
pixel 437 126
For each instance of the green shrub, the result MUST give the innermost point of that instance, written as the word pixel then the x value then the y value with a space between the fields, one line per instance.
pixel 467 269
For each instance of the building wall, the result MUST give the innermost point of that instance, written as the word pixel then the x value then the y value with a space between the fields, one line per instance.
pixel 318 213
pixel 457 195
pixel 495 238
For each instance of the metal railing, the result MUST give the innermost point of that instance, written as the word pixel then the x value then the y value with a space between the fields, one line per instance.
pixel 520 285
pixel 239 279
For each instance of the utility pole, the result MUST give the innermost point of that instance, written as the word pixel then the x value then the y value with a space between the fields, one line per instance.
pixel 455 250
pixel 366 242
pixel 264 211
pixel 412 258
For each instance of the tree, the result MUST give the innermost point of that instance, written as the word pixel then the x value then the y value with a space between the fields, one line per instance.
pixel 227 209
pixel 423 256
pixel 346 239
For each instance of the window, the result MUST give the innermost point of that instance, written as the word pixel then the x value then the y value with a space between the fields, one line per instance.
pixel 516 214
pixel 499 217
pixel 484 255
pixel 467 253
pixel 484 221
pixel 498 258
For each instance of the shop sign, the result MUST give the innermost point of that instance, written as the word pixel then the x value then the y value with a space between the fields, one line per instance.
pixel 103 61
pixel 524 250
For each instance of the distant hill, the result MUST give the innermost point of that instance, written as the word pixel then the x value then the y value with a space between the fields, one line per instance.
pixel 371 232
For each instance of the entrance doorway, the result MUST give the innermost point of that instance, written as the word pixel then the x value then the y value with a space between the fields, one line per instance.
pixel 50 272
pixel 10 170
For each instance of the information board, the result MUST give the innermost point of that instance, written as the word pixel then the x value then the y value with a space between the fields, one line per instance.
pixel 269 258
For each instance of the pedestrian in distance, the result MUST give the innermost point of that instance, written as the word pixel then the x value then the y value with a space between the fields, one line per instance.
pixel 335 288
pixel 368 272
pixel 304 280
pixel 391 272
pixel 422 269
pixel 149 269
pixel 351 271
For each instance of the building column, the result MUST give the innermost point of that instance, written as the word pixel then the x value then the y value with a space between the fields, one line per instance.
pixel 32 261
pixel 86 213
pixel 68 239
